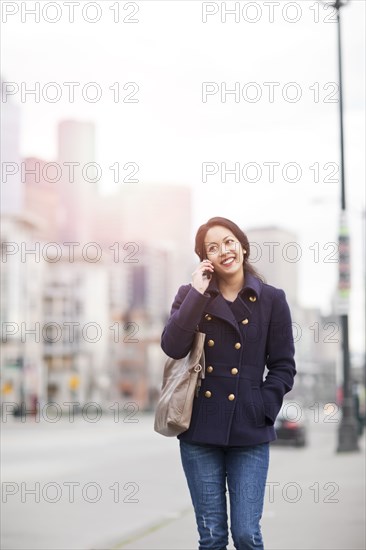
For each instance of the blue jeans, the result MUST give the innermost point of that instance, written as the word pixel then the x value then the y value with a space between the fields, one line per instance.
pixel 206 468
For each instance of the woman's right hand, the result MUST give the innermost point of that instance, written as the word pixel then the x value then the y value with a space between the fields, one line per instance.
pixel 200 281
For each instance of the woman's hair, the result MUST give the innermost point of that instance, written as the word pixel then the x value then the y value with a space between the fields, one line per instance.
pixel 239 234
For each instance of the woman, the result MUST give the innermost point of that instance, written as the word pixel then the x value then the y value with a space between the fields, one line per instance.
pixel 248 326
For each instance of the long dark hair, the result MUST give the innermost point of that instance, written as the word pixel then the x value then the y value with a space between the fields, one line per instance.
pixel 239 234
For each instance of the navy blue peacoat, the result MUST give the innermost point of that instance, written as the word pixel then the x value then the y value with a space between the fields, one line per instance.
pixel 235 404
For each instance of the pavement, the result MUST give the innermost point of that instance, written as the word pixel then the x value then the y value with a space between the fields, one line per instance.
pixel 315 500
pixel 315 497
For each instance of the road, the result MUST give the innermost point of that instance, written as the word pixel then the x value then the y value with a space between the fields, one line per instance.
pixel 117 484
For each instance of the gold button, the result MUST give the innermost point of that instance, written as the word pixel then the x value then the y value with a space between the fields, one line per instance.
pixel 252 298
pixel 234 371
pixel 208 394
pixel 245 321
pixel 208 317
pixel 231 397
pixel 237 345
pixel 209 369
pixel 210 343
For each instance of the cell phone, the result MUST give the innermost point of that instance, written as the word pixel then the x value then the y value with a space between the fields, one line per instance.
pixel 207 274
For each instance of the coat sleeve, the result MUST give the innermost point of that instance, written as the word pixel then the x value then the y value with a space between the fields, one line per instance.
pixel 280 357
pixel 185 314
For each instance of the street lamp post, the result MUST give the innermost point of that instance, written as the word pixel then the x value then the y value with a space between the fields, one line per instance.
pixel 347 432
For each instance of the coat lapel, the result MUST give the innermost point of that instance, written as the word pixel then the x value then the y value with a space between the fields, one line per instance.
pixel 218 307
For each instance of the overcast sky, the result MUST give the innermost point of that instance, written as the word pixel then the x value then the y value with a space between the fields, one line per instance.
pixel 173 129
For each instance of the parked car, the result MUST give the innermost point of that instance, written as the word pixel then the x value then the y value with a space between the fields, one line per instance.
pixel 291 424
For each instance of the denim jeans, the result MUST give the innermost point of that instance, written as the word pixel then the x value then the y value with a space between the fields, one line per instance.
pixel 206 468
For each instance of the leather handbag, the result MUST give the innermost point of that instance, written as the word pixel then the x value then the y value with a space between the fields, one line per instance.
pixel 181 382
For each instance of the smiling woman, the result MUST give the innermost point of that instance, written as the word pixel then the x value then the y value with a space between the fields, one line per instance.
pixel 226 248
pixel 226 256
pixel 248 327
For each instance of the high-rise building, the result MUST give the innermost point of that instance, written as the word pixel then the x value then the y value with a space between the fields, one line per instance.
pixel 42 195
pixel 275 253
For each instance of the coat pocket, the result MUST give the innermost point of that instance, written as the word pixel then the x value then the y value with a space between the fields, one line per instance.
pixel 258 405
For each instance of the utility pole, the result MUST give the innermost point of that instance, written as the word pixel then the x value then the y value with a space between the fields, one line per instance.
pixel 347 432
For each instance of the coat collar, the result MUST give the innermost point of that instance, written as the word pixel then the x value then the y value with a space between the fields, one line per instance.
pixel 251 283
pixel 241 307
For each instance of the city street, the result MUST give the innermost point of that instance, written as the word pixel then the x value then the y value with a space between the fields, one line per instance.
pixel 117 484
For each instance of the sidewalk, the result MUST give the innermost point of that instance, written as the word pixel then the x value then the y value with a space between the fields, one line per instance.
pixel 179 532
pixel 317 503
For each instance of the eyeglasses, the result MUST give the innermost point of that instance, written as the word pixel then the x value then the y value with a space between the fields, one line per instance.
pixel 214 248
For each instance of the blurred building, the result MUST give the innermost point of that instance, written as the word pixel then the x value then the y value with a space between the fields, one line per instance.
pixel 138 304
pixel 148 215
pixel 276 254
pixel 75 300
pixel 318 348
pixel 141 235
pixel 22 278
pixel 41 195
pixel 12 189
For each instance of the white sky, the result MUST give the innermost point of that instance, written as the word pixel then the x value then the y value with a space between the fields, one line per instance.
pixel 170 132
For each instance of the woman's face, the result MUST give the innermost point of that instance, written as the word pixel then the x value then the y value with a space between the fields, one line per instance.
pixel 224 250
